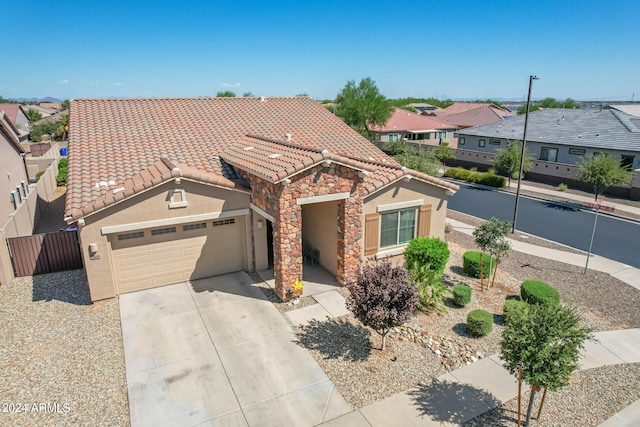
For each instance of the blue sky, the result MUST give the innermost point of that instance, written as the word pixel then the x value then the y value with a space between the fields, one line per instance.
pixel 582 49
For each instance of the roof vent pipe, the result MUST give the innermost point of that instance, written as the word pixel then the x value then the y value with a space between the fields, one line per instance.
pixel 288 135
pixel 262 99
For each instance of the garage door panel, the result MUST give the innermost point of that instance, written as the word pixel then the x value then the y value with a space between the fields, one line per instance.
pixel 175 257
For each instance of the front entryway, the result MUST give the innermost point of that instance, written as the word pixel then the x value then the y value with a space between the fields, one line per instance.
pixel 216 351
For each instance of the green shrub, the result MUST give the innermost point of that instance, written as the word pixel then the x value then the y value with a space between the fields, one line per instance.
pixel 61 179
pixel 491 180
pixel 536 292
pixel 38 175
pixel 471 264
pixel 451 172
pixel 562 187
pixel 480 322
pixel 514 307
pixel 427 250
pixel 461 295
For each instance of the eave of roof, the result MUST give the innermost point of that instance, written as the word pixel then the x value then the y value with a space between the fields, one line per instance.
pixel 9 129
pixel 162 171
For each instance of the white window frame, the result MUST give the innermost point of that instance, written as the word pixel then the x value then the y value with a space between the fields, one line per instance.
pixel 394 137
pixel 397 240
pixel 461 140
pixel 548 150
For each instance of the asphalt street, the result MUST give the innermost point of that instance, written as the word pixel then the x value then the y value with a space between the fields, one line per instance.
pixel 615 238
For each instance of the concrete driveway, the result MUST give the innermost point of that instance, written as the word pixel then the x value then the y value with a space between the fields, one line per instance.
pixel 215 352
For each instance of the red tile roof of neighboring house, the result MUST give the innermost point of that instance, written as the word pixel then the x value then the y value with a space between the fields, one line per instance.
pixel 120 143
pixel 476 116
pixel 458 107
pixel 403 120
pixel 11 110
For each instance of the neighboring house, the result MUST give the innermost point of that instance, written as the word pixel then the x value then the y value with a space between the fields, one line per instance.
pixel 484 114
pixel 558 139
pixel 18 116
pixel 57 106
pixel 170 190
pixel 52 118
pixel 631 109
pixel 46 112
pixel 14 185
pixel 415 127
pixel 423 107
pixel 456 108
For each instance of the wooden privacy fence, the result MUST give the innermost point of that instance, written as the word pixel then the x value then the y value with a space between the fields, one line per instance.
pixel 45 253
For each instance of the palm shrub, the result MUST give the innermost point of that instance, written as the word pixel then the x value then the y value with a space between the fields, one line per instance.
pixel 471 264
pixel 461 295
pixel 430 288
pixel 382 297
pixel 536 292
pixel 480 322
pixel 427 251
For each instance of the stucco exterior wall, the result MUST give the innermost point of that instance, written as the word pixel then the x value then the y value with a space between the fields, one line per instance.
pixel 320 230
pixel 151 205
pixel 413 190
pixel 472 143
pixel 13 174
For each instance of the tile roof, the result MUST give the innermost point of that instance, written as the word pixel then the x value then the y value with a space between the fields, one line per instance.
pixel 403 120
pixel 458 107
pixel 606 129
pixel 477 116
pixel 11 110
pixel 121 141
pixel 52 118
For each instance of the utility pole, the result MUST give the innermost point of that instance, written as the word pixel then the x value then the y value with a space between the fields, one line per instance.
pixel 524 147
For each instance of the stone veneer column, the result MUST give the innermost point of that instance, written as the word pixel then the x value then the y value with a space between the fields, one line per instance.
pixel 349 238
pixel 287 246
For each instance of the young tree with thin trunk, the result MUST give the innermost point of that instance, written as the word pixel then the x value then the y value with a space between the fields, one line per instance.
pixel 491 237
pixel 602 172
pixel 443 153
pixel 545 340
pixel 508 159
pixel 382 297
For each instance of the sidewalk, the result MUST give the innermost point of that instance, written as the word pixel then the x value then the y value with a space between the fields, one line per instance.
pixel 576 198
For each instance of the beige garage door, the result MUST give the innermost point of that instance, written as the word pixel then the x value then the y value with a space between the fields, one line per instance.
pixel 161 256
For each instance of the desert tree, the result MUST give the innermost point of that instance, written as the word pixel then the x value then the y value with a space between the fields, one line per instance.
pixel 363 106
pixel 508 159
pixel 601 172
pixel 491 237
pixel 382 297
pixel 544 341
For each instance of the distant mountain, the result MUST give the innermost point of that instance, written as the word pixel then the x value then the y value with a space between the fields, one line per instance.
pixel 45 99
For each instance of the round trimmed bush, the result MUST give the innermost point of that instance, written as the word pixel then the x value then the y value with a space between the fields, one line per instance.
pixel 461 295
pixel 480 322
pixel 471 264
pixel 427 250
pixel 536 292
pixel 514 307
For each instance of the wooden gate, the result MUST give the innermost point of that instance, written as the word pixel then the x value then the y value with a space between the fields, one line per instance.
pixel 45 253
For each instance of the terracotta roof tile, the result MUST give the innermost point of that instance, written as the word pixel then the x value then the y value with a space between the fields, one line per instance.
pixel 124 140
pixel 403 120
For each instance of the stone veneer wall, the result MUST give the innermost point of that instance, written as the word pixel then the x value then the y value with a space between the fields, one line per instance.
pixel 279 201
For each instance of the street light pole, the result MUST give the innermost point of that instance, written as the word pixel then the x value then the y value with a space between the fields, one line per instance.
pixel 524 144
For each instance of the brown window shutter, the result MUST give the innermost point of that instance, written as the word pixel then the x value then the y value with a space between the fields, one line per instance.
pixel 371 230
pixel 424 221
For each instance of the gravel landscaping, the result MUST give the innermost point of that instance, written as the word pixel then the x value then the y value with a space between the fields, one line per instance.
pixel 61 353
pixel 432 344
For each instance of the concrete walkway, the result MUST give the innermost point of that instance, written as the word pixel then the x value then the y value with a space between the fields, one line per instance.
pixel 216 352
